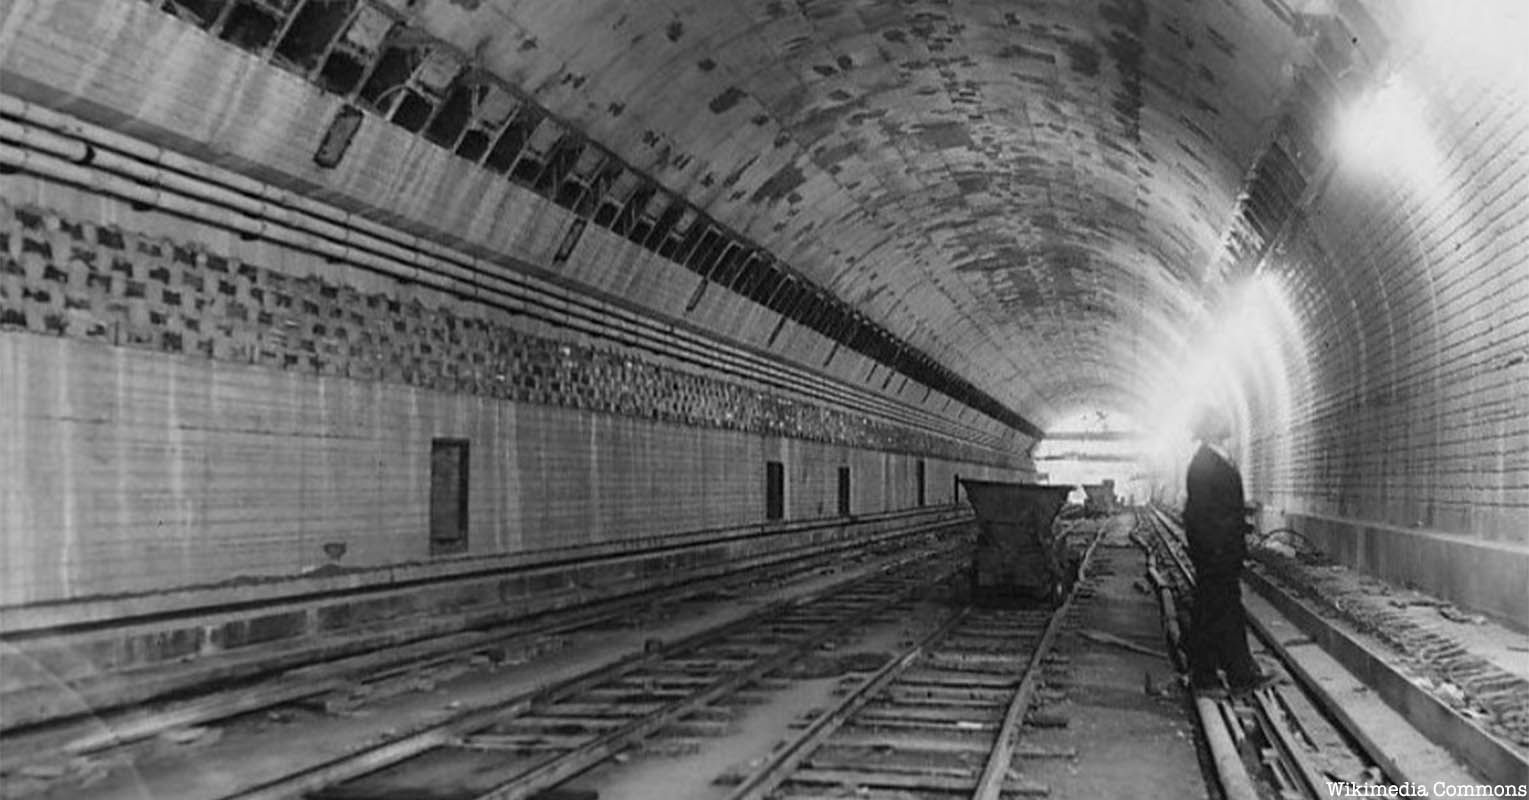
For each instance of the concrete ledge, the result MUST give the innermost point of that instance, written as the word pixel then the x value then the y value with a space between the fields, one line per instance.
pixel 1488 577
pixel 1494 759
pixel 115 610
pixel 1385 735
pixel 47 675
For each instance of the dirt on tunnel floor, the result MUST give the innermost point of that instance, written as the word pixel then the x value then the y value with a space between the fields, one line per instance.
pixel 1127 715
pixel 1129 729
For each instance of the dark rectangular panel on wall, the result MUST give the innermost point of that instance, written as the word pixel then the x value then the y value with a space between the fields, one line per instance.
pixel 448 496
pixel 955 489
pixel 919 476
pixel 775 490
pixel 843 491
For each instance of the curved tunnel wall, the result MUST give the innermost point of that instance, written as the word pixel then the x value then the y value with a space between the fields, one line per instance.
pixel 1401 443
pixel 199 398
pixel 185 408
pixel 1399 438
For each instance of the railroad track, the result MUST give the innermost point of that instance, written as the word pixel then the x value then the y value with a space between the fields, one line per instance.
pixel 119 739
pixel 532 744
pixel 1279 742
pixel 943 715
pixel 941 718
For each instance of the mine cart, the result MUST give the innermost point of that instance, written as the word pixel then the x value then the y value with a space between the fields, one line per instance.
pixel 1017 558
pixel 1101 498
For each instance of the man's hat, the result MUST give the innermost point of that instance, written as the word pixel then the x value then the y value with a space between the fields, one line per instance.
pixel 1210 423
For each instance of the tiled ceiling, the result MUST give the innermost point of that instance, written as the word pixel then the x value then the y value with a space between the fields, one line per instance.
pixel 1023 190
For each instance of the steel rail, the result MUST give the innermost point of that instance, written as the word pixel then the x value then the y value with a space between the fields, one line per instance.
pixel 561 767
pixel 1231 772
pixel 990 784
pixel 453 728
pixel 1172 542
pixel 1217 716
pixel 1291 753
pixel 107 731
pixel 782 761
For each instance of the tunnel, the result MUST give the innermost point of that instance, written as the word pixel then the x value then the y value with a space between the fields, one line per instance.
pixel 357 354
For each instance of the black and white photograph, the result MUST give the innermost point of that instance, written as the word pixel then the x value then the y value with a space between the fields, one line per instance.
pixel 764 399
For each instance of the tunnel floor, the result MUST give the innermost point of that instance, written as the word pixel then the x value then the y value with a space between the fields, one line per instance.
pixel 1108 716
pixel 1126 712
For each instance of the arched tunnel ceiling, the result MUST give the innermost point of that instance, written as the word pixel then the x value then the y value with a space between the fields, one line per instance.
pixel 1009 186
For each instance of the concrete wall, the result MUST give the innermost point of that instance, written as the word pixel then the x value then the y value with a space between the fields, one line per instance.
pixel 134 472
pixel 183 408
pixel 1490 577
pixel 216 428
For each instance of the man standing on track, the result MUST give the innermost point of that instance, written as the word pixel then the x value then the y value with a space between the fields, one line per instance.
pixel 1215 521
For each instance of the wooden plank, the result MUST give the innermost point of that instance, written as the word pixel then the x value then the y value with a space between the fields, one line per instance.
pixel 928 725
pixel 923 675
pixel 948 696
pixel 945 741
pixel 996 770
pixel 991 665
pixel 521 741
pixel 560 724
pixel 703 666
pixel 812 793
pixel 954 716
pixel 893 780
pixel 555 771
pixel 626 711
pixel 1380 730
pixel 777 768
pixel 899 762
pixel 1331 749
pixel 633 694
pixel 598 726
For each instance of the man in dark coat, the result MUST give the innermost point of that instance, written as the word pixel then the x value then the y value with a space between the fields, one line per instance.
pixel 1215 520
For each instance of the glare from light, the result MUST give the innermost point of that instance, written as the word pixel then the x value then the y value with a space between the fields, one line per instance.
pixel 1484 38
pixel 1385 135
pixel 1246 359
pixel 1090 446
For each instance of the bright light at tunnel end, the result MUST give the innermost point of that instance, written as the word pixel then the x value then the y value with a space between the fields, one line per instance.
pixel 1092 446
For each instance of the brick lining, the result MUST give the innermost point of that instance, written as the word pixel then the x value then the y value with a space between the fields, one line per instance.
pixel 70 278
